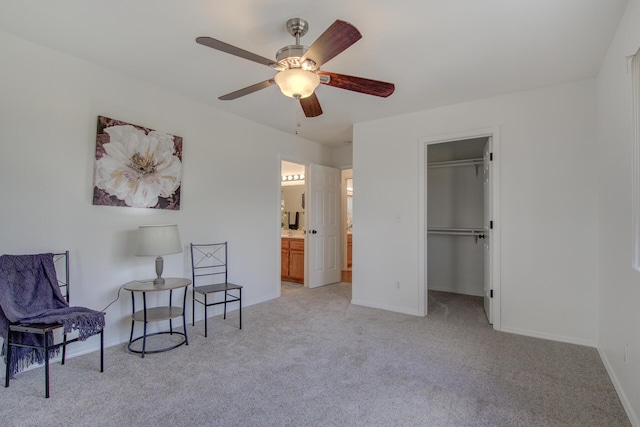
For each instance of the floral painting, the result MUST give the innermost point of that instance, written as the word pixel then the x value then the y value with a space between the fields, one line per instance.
pixel 136 166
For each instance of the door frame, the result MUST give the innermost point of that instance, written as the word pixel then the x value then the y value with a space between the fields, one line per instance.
pixel 423 142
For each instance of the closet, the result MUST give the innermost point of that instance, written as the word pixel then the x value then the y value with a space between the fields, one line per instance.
pixel 455 216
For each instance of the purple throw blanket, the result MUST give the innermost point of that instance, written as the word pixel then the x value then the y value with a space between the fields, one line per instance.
pixel 29 294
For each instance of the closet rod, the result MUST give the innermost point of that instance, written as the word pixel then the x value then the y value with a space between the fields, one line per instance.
pixel 466 162
pixel 455 230
pixel 457 233
pixel 476 233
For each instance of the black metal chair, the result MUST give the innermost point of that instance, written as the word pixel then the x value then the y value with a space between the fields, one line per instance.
pixel 18 331
pixel 209 275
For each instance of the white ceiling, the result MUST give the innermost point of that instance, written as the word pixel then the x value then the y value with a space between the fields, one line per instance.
pixel 437 52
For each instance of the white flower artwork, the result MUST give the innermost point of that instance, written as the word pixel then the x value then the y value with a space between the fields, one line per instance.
pixel 136 167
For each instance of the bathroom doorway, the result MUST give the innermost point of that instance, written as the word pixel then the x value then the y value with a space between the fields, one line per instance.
pixel 315 244
pixel 292 223
pixel 347 224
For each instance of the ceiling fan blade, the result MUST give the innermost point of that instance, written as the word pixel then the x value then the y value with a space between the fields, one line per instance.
pixel 236 51
pixel 358 84
pixel 311 106
pixel 339 36
pixel 247 90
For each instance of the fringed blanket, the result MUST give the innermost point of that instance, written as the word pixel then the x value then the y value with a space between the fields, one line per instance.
pixel 29 294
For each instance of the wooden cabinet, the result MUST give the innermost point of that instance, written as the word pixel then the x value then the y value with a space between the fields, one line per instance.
pixel 284 259
pixel 292 260
pixel 296 260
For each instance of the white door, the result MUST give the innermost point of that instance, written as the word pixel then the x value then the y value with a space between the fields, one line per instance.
pixel 488 302
pixel 323 233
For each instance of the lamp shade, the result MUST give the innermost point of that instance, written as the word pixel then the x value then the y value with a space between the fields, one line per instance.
pixel 156 240
pixel 297 83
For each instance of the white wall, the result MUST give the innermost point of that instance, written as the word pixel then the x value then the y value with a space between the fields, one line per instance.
pixel 342 157
pixel 619 293
pixel 231 179
pixel 548 208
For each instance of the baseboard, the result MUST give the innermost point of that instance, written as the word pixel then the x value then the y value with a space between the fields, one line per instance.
pixel 552 337
pixel 386 307
pixel 633 417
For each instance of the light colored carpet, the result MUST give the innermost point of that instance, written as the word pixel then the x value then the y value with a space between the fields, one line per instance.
pixel 310 358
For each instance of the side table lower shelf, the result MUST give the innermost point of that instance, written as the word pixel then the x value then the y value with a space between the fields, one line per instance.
pixel 157 314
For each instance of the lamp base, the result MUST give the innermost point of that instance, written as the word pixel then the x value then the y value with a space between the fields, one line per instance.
pixel 159 267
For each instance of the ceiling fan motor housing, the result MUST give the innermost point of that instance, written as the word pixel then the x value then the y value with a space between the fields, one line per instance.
pixel 290 56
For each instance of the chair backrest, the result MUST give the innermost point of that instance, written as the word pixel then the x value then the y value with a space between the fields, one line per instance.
pixel 209 263
pixel 33 282
pixel 61 262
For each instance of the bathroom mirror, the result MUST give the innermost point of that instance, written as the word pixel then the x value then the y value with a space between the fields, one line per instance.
pixel 292 203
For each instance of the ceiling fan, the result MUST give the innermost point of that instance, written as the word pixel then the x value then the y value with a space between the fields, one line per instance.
pixel 298 66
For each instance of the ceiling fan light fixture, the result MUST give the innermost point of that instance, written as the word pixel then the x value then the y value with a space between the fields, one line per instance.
pixel 297 83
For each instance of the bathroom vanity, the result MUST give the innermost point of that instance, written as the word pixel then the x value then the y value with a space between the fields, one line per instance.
pixel 292 258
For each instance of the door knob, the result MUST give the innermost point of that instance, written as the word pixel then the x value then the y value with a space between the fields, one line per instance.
pixel 313 231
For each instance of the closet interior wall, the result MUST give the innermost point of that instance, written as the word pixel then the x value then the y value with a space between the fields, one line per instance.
pixel 455 216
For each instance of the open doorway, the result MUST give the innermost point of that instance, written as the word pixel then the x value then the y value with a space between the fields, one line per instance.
pixel 458 197
pixel 310 223
pixel 347 224
pixel 293 223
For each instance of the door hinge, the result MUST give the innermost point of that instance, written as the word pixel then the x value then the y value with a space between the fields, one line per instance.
pixel 491 293
pixel 491 225
pixel 491 157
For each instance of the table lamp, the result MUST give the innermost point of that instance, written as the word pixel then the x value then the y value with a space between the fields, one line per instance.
pixel 158 240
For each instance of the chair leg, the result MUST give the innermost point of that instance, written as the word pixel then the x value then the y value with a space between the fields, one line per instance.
pixel 46 366
pixel 193 308
pixel 6 378
pixel 64 347
pixel 205 315
pixel 102 350
pixel 225 306
pixel 240 307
